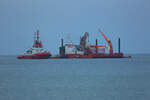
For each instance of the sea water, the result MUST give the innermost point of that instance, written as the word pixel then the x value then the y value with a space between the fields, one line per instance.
pixel 75 79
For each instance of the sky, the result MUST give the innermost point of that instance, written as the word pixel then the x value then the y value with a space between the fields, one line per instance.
pixel 70 19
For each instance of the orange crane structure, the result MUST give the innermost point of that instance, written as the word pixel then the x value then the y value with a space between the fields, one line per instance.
pixel 110 48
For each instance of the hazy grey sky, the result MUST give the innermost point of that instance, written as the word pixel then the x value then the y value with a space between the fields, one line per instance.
pixel 127 19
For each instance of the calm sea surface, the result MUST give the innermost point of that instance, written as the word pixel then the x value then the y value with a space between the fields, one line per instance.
pixel 75 79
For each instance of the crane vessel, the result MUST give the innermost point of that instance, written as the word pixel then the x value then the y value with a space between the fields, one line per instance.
pixel 84 50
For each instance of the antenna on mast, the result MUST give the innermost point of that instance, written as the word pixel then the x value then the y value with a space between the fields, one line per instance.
pixel 37 36
pixel 34 37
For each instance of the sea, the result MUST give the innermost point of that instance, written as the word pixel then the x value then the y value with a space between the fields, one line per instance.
pixel 75 79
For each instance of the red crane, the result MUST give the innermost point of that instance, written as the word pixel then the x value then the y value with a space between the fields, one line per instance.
pixel 110 48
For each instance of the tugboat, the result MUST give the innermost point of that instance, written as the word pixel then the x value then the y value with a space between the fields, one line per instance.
pixel 37 51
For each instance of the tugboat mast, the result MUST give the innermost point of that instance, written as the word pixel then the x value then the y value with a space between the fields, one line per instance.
pixel 37 35
pixel 37 42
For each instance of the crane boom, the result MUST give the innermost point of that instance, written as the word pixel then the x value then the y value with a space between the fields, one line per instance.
pixel 110 48
pixel 104 35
